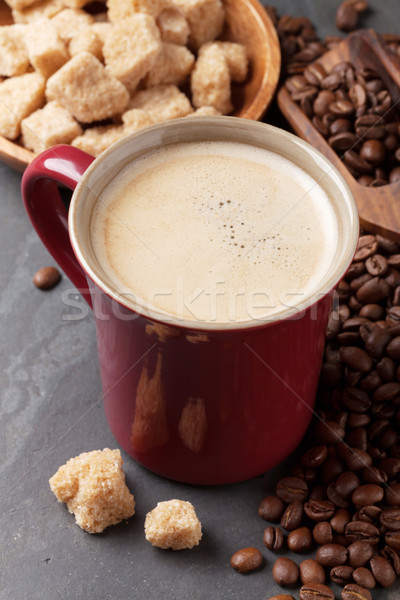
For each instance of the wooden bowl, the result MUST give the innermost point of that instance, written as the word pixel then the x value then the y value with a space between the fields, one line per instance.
pixel 246 22
pixel 378 207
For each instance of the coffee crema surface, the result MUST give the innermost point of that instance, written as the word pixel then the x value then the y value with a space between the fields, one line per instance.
pixel 214 232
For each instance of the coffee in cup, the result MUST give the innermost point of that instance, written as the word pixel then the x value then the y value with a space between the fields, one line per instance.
pixel 214 232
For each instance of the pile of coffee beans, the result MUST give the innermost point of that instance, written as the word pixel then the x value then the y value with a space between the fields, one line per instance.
pixel 341 502
pixel 351 108
pixel 353 111
pixel 342 498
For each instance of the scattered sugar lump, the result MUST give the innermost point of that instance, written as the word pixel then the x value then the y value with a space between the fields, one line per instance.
pixel 93 487
pixel 173 524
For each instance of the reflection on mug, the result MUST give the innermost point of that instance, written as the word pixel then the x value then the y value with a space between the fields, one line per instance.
pixel 192 426
pixel 149 428
pixel 163 332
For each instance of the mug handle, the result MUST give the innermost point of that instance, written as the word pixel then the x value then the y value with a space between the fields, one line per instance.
pixel 59 165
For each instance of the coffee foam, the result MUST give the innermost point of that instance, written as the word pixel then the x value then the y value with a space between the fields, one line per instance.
pixel 214 232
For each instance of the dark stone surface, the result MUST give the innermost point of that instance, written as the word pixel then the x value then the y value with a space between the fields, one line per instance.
pixel 51 410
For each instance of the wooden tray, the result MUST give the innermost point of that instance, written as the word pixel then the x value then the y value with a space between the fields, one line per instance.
pixel 379 207
pixel 246 22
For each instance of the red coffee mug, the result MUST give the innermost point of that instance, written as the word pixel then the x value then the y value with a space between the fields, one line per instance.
pixel 194 402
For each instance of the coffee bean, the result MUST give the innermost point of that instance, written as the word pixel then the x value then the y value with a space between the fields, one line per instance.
pixel 370 514
pixel 392 494
pixel 314 73
pixel 292 517
pixel 347 14
pixel 373 475
pixel 367 494
pixel 322 533
pixel 335 498
pixel 382 571
pixel 376 342
pixel 392 539
pixel 340 520
pixel 346 483
pixel 373 312
pixel 300 540
pixel 393 348
pixel 281 597
pixel 392 557
pixel 363 576
pixel 314 457
pixel 393 316
pixel 387 392
pixel 341 574
pixel 331 81
pixel 357 438
pixel 316 591
pixel 356 358
pixel 359 166
pixel 46 278
pixel 273 538
pixel 319 510
pixel 247 559
pixel 328 432
pixel 362 531
pixel 352 591
pixel 342 108
pixel 373 290
pixel 285 572
pixel 343 141
pixel 374 152
pixel 271 508
pixel 391 466
pixel 359 553
pixel 322 102
pixel 311 572
pixel 331 555
pixel 390 518
pixel 355 400
pixel 290 489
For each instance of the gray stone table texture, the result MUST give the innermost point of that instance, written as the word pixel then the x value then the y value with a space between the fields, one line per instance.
pixel 51 410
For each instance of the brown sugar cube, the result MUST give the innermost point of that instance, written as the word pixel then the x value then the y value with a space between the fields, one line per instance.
pixel 210 80
pixel 39 10
pixel 19 97
pixel 162 102
pixel 173 26
pixel 173 524
pixel 119 10
pixel 93 487
pixel 46 51
pixel 131 48
pixel 48 126
pixel 85 88
pixel 101 29
pixel 237 60
pixel 136 119
pixel 13 55
pixel 205 111
pixel 70 22
pixel 173 65
pixel 205 17
pixel 96 139
pixel 20 4
pixel 86 41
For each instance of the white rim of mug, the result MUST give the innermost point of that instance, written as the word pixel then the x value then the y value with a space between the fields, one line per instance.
pixel 192 324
